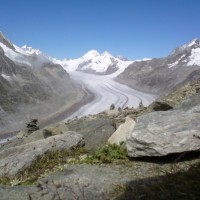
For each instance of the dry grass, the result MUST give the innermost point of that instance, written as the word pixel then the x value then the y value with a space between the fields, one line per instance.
pixel 44 165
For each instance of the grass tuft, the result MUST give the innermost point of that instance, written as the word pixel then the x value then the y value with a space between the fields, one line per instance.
pixel 108 153
pixel 43 165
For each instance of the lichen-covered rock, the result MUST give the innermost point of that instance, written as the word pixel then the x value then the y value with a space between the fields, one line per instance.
pixel 95 131
pixel 48 131
pixel 21 134
pixel 15 159
pixel 162 133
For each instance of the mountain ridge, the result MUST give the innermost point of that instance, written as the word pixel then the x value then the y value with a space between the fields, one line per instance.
pixel 160 75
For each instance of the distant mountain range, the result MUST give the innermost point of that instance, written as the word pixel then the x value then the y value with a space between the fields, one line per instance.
pixel 157 75
pixel 91 62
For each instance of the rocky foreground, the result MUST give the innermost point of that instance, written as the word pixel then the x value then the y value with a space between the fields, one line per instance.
pixel 144 153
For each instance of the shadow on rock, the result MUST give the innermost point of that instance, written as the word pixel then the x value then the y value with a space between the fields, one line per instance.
pixel 181 185
pixel 171 158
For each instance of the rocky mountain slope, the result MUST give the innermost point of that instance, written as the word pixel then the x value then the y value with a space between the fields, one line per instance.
pixel 31 86
pixel 163 74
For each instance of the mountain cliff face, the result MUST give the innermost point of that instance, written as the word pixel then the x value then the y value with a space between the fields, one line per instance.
pixel 31 86
pixel 163 74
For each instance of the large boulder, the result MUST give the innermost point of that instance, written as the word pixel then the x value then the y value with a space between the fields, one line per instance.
pixel 162 133
pixel 160 106
pixel 95 131
pixel 123 130
pixel 15 159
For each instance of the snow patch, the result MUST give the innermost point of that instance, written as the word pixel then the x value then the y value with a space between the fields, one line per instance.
pixel 121 69
pixel 20 50
pixel 91 54
pixel 30 50
pixel 8 78
pixel 193 42
pixel 195 57
pixel 69 65
pixel 175 63
pixel 14 56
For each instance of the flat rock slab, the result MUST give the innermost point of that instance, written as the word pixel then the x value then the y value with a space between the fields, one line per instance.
pixel 162 133
pixel 75 182
pixel 15 159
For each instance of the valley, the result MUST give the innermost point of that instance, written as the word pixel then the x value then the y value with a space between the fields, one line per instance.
pixel 78 130
pixel 100 100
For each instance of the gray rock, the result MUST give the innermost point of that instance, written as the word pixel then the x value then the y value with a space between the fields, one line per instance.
pixel 15 159
pixel 86 182
pixel 95 131
pixel 92 182
pixel 75 182
pixel 160 106
pixel 21 134
pixel 48 131
pixel 162 133
pixel 123 130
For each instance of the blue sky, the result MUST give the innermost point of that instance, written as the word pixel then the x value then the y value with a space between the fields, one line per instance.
pixel 132 28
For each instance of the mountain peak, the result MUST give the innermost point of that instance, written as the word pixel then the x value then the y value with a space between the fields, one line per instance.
pixel 106 53
pixel 122 58
pixel 6 42
pixel 91 54
pixel 31 50
pixel 195 41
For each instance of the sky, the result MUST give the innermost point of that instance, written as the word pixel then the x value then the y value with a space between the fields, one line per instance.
pixel 135 29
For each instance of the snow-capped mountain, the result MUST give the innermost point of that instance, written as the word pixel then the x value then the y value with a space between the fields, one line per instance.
pixel 188 54
pixel 90 62
pixel 31 86
pixel 30 50
pixel 163 74
pixel 94 62
pixel 25 55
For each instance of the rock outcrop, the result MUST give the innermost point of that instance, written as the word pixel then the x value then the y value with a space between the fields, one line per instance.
pixel 167 132
pixel 160 106
pixel 15 159
pixel 123 130
pixel 95 131
pixel 48 131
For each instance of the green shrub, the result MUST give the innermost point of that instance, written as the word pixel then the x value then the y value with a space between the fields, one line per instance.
pixel 107 154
